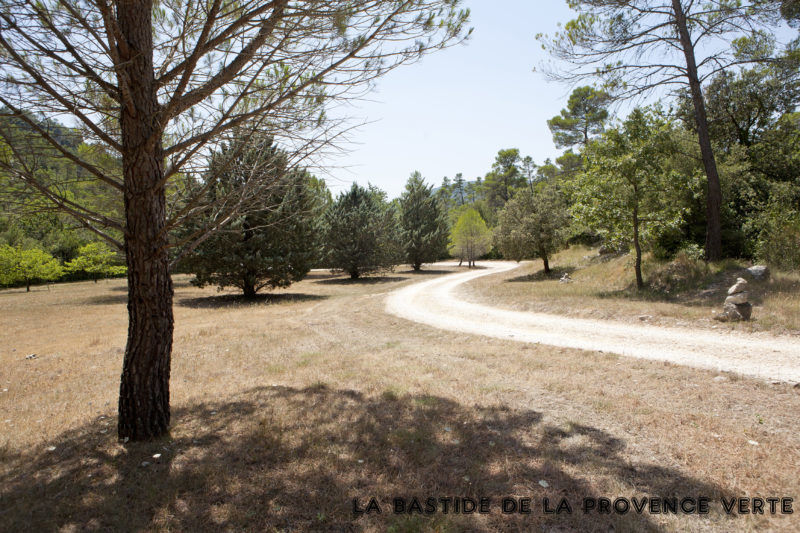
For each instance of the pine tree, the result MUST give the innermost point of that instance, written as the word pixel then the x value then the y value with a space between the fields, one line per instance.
pixel 423 223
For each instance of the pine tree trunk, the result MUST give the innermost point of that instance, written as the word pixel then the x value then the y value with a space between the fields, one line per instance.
pixel 144 389
pixel 637 265
pixel 713 188
pixel 249 286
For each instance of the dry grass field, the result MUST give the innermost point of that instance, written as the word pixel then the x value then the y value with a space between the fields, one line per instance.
pixel 287 408
pixel 604 288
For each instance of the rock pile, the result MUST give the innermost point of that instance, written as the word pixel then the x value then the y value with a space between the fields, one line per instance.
pixel 565 278
pixel 737 307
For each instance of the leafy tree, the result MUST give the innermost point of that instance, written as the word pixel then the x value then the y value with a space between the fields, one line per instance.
pixel 533 224
pixel 159 83
pixel 586 114
pixel 636 46
pixel 271 247
pixel 96 260
pixel 470 238
pixel 504 177
pixel 18 265
pixel 423 223
pixel 361 232
pixel 628 191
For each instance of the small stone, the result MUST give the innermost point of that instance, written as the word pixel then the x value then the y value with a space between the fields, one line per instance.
pixel 156 456
pixel 737 298
pixel 720 379
pixel 51 448
pixel 466 478
pixel 752 443
pixel 126 439
pixel 5 390
pixel 544 483
pixel 447 429
pixel 645 317
pixel 30 356
pixel 739 286
pixel 361 461
pixel 745 310
pixel 145 464
pixel 759 272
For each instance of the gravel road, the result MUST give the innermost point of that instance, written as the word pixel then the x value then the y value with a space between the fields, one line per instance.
pixel 434 302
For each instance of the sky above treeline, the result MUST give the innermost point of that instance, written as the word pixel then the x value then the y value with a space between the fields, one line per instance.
pixel 456 108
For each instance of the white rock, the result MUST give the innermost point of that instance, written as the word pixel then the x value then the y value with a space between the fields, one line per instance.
pixel 145 464
pixel 51 448
pixel 737 298
pixel 156 456
pixel 544 483
pixel 752 443
pixel 759 272
pixel 739 286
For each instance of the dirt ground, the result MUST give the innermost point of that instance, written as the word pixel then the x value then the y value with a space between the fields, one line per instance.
pixel 288 408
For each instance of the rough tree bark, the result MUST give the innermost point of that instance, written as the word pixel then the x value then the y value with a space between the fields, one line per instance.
pixel 637 265
pixel 144 389
pixel 713 189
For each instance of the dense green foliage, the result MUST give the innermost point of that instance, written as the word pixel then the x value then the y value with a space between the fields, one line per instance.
pixel 629 191
pixel 95 260
pixel 423 222
pixel 27 266
pixel 271 246
pixel 361 233
pixel 533 224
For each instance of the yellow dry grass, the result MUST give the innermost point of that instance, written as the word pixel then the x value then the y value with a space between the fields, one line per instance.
pixel 286 409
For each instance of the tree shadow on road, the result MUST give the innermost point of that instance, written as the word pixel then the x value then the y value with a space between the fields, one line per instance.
pixel 278 458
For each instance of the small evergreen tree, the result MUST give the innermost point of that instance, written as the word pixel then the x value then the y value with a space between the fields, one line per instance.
pixel 423 223
pixel 470 237
pixel 361 232
pixel 269 247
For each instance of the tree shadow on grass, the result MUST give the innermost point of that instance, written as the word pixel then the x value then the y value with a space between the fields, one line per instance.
pixel 238 300
pixel 539 275
pixel 368 280
pixel 278 458
pixel 107 299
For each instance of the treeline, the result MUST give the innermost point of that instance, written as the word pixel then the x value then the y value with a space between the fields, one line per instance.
pixel 633 184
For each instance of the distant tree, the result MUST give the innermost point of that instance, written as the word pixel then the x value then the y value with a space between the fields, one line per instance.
pixel 504 177
pixel 361 232
pixel 586 115
pixel 270 247
pixel 470 238
pixel 18 265
pixel 533 224
pixel 423 223
pixel 459 189
pixel 96 260
pixel 637 46
pixel 628 191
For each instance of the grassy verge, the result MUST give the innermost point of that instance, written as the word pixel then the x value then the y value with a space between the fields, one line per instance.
pixel 679 293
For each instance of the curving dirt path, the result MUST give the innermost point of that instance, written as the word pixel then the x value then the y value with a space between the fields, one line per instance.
pixel 434 303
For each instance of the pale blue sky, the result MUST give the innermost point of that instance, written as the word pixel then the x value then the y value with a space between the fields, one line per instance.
pixel 456 108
